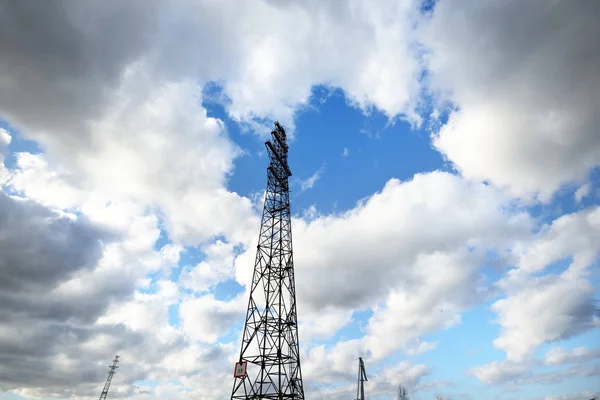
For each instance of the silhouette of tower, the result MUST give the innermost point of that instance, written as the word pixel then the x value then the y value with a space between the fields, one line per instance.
pixel 269 363
pixel 111 372
pixel 362 378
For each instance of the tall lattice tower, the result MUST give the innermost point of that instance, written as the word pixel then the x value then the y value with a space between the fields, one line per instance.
pixel 269 364
pixel 111 372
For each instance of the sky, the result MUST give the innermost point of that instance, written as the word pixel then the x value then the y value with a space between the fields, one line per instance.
pixel 445 194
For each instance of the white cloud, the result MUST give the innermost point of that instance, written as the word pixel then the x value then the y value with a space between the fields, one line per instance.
pixel 574 235
pixel 339 363
pixel 346 152
pixel 444 285
pixel 323 324
pixel 558 355
pixel 404 373
pixel 206 318
pixel 327 365
pixel 546 309
pixel 386 254
pixel 524 84
pixel 156 148
pixel 5 140
pixel 267 70
pixel 431 213
pixel 34 177
pixel 498 372
pixel 128 147
pixel 309 182
pixel 550 310
pixel 147 312
pixel 364 50
pixel 512 375
pixel 217 267
pixel 403 251
pixel 78 275
pixel 572 396
pixel 582 192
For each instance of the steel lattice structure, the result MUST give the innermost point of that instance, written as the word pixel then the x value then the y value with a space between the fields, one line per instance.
pixel 362 378
pixel 269 363
pixel 111 372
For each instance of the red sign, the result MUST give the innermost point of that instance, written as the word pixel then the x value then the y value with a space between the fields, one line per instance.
pixel 240 369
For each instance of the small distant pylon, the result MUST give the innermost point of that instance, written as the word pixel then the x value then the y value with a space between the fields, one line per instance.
pixel 111 372
pixel 362 378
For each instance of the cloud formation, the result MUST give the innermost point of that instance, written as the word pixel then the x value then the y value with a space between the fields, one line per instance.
pixel 131 160
pixel 523 81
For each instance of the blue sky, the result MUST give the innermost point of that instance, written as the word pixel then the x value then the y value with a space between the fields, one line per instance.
pixel 445 195
pixel 377 151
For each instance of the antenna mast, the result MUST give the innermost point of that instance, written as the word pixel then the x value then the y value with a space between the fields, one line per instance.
pixel 269 363
pixel 362 378
pixel 111 372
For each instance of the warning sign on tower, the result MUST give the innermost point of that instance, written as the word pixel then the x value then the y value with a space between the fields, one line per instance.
pixel 240 369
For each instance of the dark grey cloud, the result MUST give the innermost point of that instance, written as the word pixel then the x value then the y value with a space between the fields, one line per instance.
pixel 46 340
pixel 524 80
pixel 39 247
pixel 61 58
pixel 58 360
pixel 52 343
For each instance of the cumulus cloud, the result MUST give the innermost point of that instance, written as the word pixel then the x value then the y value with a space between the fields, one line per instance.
pixel 48 307
pixel 364 50
pixel 582 192
pixel 512 375
pixel 309 182
pixel 215 268
pixel 113 96
pixel 144 312
pixel 327 365
pixel 42 247
pixel 445 285
pixel 57 339
pixel 60 56
pixel 498 371
pixel 552 307
pixel 524 85
pixel 61 61
pixel 402 252
pixel 144 142
pixel 558 355
pixel 207 319
pixel 572 396
pixel 548 308
pixel 71 303
pixel 391 229
pixel 5 140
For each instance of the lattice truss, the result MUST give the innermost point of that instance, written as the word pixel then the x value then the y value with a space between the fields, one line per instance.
pixel 269 364
pixel 111 372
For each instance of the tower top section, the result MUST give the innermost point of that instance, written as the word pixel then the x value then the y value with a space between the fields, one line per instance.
pixel 115 362
pixel 278 148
